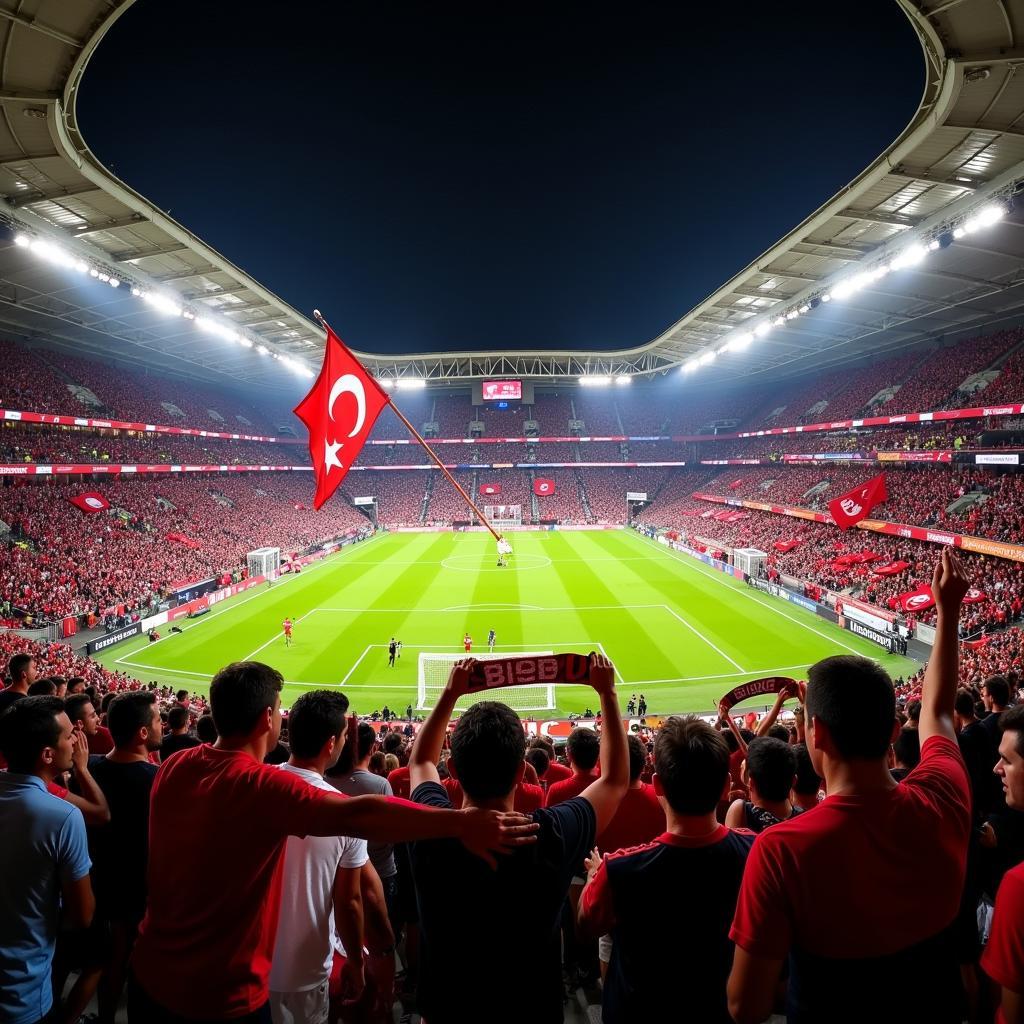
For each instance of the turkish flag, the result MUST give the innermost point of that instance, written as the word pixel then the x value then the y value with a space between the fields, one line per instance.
pixel 891 568
pixel 735 484
pixel 543 486
pixel 850 508
pixel 490 488
pixel 916 600
pixel 339 412
pixel 90 501
pixel 974 596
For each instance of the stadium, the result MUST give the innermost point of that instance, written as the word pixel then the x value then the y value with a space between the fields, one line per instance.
pixel 820 458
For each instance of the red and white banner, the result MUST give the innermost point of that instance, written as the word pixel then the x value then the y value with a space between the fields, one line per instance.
pixel 850 508
pixel 543 487
pixel 916 600
pixel 891 568
pixel 490 488
pixel 975 596
pixel 90 501
pixel 785 545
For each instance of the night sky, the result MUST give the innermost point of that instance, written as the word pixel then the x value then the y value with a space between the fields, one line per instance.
pixel 440 177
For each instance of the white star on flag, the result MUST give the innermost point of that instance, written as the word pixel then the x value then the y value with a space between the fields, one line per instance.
pixel 331 454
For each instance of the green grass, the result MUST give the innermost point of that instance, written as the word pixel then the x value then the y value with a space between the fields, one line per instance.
pixel 678 631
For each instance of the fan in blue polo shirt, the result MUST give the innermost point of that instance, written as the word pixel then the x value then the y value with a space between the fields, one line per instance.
pixel 44 856
pixel 687 940
pixel 490 936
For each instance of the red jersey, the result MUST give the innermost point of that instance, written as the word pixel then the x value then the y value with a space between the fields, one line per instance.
pixel 287 626
pixel 555 773
pixel 467 644
pixel 1003 959
pixel 218 826
pixel 399 780
pixel 639 819
pixel 559 792
pixel 527 798
pixel 102 742
pixel 830 887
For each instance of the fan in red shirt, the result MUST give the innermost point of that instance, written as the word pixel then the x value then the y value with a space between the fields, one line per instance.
pixel 829 889
pixel 582 748
pixel 1003 960
pixel 221 907
pixel 548 771
pixel 640 817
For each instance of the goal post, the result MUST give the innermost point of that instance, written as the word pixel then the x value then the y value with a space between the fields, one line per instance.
pixel 504 516
pixel 432 677
pixel 264 562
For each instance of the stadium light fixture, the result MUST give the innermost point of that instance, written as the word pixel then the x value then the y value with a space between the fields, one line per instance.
pixel 411 383
pixel 244 341
pixel 623 378
pixel 740 341
pixel 386 383
pixel 707 357
pixel 690 365
pixel 262 349
pixel 163 304
pixel 23 240
pixel 780 322
pixel 594 381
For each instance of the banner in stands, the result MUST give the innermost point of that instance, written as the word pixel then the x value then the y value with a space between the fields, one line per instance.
pixel 490 488
pixel 636 495
pixel 103 642
pixel 981 545
pixel 860 614
pixel 997 459
pixel 885 640
pixel 363 501
pixel 935 456
pixel 90 502
pixel 542 486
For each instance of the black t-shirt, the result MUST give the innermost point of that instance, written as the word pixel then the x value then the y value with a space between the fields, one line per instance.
pixel 8 697
pixel 490 939
pixel 671 958
pixel 120 849
pixel 976 747
pixel 172 744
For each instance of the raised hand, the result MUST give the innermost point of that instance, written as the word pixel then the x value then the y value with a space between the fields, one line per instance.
pixel 458 678
pixel 602 673
pixel 949 583
pixel 79 750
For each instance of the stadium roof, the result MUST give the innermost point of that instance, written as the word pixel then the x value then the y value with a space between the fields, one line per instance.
pixel 890 232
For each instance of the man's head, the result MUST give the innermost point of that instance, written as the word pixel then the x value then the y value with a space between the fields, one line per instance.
pixel 134 721
pixel 488 745
pixel 181 696
pixel 245 700
pixel 851 710
pixel 913 713
pixel 995 692
pixel 80 710
pixel 907 748
pixel 22 670
pixel 1010 766
pixel 537 758
pixel 206 731
pixel 637 757
pixel 771 768
pixel 393 742
pixel 35 737
pixel 583 748
pixel 76 684
pixel 963 708
pixel 808 781
pixel 316 726
pixel 43 688
pixel 177 720
pixel 691 764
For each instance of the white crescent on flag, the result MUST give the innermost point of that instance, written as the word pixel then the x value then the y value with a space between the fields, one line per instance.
pixel 349 383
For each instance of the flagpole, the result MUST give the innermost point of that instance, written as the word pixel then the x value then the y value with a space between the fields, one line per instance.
pixel 430 451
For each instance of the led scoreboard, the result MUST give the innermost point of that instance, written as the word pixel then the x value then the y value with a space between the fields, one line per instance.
pixel 498 390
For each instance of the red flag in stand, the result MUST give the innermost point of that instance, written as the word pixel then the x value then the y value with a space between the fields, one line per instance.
pixel 850 508
pixel 339 412
pixel 975 596
pixel 490 488
pixel 916 600
pixel 543 486
pixel 90 501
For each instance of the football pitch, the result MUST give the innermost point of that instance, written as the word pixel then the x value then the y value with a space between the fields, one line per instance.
pixel 678 631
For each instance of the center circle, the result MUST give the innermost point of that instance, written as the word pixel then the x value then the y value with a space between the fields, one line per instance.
pixel 483 563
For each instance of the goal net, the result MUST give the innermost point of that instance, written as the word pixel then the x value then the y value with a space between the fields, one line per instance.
pixel 501 516
pixel 432 677
pixel 264 562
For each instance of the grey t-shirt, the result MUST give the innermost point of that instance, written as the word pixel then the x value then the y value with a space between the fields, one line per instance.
pixel 361 783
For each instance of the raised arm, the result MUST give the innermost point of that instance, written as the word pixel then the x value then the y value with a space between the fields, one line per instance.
pixel 769 720
pixel 949 584
pixel 426 748
pixel 605 793
pixel 726 717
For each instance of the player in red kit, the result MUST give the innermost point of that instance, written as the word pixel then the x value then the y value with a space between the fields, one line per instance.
pixel 467 643
pixel 287 627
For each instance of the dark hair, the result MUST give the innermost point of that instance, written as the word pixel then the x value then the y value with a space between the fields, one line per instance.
pixel 128 713
pixel 488 745
pixel 75 704
pixel 544 743
pixel 637 757
pixel 771 765
pixel 206 729
pixel 854 698
pixel 240 694
pixel 692 762
pixel 18 666
pixel 914 711
pixel 907 747
pixel 27 727
pixel 74 681
pixel 998 689
pixel 963 703
pixel 538 758
pixel 378 764
pixel 1011 720
pixel 43 688
pixel 583 746
pixel 393 742
pixel 367 737
pixel 730 741
pixel 316 717
pixel 779 732
pixel 177 717
pixel 181 694
pixel 807 779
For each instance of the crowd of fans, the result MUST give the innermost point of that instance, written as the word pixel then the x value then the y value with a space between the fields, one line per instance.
pixel 835 859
